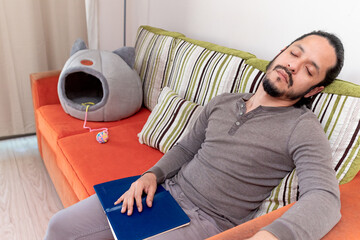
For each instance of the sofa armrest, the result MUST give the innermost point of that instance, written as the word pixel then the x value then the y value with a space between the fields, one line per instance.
pixel 347 228
pixel 44 88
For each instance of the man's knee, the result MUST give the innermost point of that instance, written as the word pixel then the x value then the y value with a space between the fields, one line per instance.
pixel 58 227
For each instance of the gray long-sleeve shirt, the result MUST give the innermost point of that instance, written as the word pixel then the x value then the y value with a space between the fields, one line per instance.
pixel 231 160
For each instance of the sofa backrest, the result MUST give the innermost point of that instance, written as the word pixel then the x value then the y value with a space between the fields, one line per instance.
pixel 197 71
pixel 200 70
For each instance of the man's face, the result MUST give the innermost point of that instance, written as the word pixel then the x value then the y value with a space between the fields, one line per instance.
pixel 304 64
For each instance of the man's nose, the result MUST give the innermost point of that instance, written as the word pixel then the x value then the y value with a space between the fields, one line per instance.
pixel 292 67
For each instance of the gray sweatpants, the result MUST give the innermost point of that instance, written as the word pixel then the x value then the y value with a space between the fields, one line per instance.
pixel 87 220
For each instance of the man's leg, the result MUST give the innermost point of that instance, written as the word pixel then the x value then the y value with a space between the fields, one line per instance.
pixel 83 220
pixel 86 220
pixel 201 225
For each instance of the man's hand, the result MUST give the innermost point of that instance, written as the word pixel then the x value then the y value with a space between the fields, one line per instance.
pixel 146 183
pixel 263 235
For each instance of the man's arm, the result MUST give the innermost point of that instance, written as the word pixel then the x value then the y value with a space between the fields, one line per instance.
pixel 166 167
pixel 185 150
pixel 318 208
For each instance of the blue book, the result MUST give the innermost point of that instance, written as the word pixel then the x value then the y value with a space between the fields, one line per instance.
pixel 164 215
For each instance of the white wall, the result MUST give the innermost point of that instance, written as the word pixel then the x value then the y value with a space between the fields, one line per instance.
pixel 261 27
pixel 110 25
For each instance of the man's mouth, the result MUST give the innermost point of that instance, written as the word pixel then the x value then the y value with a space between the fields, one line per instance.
pixel 284 74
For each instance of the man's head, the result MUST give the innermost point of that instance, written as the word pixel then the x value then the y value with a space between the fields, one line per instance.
pixel 304 67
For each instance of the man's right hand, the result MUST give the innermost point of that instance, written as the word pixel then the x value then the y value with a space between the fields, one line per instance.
pixel 145 184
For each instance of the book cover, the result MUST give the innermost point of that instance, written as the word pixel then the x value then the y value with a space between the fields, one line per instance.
pixel 164 215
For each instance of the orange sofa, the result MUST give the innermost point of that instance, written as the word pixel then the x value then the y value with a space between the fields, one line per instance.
pixel 76 161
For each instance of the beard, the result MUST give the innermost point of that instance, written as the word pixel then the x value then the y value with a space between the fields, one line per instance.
pixel 275 92
pixel 271 89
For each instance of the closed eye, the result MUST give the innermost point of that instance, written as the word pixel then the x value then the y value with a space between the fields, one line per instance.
pixel 308 71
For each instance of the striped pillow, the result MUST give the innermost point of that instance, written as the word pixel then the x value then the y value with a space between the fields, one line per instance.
pixel 169 121
pixel 153 50
pixel 253 73
pixel 340 117
pixel 249 80
pixel 199 70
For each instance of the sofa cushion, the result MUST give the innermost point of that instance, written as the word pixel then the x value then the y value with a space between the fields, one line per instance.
pixel 250 79
pixel 171 118
pixel 86 162
pixel 340 117
pixel 54 123
pixel 200 70
pixel 153 54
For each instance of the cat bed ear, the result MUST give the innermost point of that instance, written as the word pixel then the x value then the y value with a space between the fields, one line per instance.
pixel 127 54
pixel 78 45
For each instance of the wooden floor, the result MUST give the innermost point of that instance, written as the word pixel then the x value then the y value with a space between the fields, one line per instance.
pixel 27 195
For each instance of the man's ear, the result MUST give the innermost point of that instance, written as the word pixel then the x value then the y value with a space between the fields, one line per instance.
pixel 314 91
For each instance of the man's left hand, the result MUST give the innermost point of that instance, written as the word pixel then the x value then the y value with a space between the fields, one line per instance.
pixel 263 235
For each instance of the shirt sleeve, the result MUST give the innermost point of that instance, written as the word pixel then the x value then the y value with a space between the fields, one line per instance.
pixel 185 150
pixel 318 208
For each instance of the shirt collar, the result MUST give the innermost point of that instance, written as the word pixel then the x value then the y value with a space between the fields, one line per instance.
pixel 246 96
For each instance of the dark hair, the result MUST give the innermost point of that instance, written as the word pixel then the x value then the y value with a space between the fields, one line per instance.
pixel 332 73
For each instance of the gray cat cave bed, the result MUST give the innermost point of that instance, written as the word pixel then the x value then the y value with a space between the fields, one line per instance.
pixel 104 80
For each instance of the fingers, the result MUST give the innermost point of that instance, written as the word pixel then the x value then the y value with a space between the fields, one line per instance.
pixel 134 194
pixel 129 205
pixel 150 196
pixel 119 200
pixel 138 195
pixel 128 202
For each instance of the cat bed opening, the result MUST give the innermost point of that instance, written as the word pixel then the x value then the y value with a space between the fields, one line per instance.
pixel 81 87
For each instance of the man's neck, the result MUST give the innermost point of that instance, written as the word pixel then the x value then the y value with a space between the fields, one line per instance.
pixel 262 98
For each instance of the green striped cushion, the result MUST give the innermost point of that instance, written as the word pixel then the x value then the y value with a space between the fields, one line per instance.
pixel 249 80
pixel 169 121
pixel 199 71
pixel 153 50
pixel 339 115
pixel 253 73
